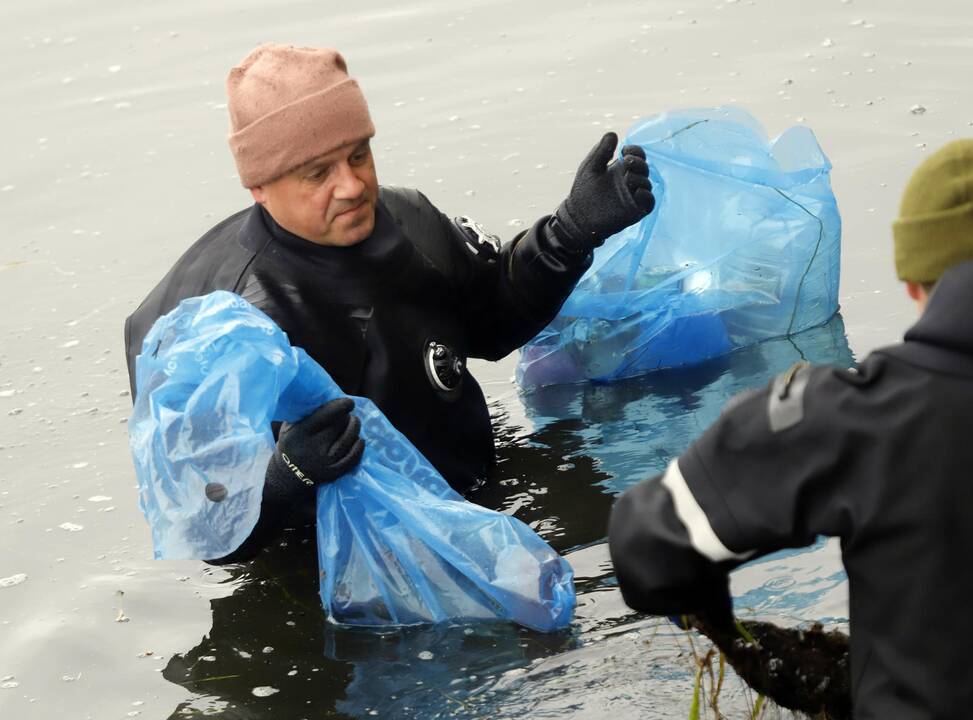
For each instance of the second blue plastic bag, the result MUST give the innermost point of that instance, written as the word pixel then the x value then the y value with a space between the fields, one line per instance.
pixel 396 545
pixel 744 245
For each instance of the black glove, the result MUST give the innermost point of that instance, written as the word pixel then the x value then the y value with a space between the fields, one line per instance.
pixel 319 449
pixel 605 198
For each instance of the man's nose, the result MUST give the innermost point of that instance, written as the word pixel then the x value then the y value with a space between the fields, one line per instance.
pixel 348 185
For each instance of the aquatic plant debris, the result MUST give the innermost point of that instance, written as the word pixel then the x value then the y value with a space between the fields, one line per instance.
pixel 805 670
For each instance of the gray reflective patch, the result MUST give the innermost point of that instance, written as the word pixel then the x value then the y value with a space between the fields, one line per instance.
pixel 786 406
pixel 216 491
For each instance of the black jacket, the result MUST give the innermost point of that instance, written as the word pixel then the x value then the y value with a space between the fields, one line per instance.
pixel 370 313
pixel 880 457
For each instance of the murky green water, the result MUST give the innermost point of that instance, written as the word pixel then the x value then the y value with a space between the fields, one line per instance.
pixel 115 160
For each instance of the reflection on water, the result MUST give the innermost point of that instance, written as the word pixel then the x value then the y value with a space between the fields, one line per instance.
pixel 271 633
pixel 587 443
pixel 633 428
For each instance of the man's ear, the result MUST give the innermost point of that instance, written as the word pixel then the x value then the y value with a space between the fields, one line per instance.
pixel 918 293
pixel 915 290
pixel 258 194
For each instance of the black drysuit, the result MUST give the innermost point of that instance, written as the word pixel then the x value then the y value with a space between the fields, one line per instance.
pixel 880 457
pixel 392 318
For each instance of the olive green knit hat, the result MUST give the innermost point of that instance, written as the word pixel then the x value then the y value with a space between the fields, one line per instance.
pixel 935 226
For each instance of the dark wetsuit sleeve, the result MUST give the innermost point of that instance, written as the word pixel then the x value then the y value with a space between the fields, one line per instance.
pixel 532 278
pixel 769 474
pixel 658 568
pixel 507 297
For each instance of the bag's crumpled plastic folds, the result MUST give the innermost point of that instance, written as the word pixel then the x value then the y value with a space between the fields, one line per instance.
pixel 744 245
pixel 396 545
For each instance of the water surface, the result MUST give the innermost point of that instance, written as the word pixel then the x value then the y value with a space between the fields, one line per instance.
pixel 115 161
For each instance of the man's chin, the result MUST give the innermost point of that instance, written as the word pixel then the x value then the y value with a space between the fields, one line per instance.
pixel 356 232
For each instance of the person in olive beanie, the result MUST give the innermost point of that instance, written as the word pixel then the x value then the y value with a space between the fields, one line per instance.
pixel 934 230
pixel 383 290
pixel 878 456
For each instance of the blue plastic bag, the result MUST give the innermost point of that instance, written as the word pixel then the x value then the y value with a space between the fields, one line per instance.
pixel 396 545
pixel 744 245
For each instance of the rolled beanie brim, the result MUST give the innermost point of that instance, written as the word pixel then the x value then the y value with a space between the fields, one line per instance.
pixel 303 130
pixel 928 245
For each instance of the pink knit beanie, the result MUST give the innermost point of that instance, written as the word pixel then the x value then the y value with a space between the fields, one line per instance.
pixel 289 105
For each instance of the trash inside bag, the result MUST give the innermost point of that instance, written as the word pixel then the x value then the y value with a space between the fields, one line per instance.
pixel 396 544
pixel 744 245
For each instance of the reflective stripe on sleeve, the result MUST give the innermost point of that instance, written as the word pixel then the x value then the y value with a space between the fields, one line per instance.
pixel 701 533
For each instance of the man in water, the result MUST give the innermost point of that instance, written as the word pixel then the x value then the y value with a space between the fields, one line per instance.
pixel 880 457
pixel 388 294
